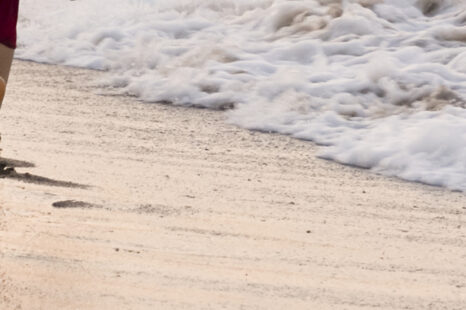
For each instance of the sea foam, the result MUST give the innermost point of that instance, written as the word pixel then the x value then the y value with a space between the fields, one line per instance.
pixel 379 84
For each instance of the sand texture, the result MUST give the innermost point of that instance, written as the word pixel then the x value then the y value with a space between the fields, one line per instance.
pixel 142 206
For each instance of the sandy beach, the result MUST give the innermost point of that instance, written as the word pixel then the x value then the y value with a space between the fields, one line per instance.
pixel 148 206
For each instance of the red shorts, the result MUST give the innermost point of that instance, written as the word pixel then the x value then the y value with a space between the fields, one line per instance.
pixel 8 19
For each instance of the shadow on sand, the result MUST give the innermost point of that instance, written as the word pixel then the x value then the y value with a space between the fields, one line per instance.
pixel 7 170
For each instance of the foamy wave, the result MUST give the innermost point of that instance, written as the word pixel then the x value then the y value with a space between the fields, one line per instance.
pixel 381 83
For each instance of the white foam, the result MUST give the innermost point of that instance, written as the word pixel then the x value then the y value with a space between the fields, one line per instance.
pixel 381 85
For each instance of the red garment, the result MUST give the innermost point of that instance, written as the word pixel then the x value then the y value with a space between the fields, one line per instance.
pixel 8 19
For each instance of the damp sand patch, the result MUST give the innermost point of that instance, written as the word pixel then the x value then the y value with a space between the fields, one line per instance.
pixel 70 204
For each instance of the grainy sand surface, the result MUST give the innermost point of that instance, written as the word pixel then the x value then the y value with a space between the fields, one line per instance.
pixel 179 210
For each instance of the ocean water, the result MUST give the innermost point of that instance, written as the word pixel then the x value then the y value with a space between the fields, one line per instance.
pixel 378 84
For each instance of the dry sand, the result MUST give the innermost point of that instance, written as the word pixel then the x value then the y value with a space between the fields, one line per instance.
pixel 183 211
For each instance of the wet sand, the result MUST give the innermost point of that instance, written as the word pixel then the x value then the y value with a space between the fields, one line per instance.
pixel 176 209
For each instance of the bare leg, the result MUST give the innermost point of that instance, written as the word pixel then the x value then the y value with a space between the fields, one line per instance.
pixel 2 90
pixel 6 57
